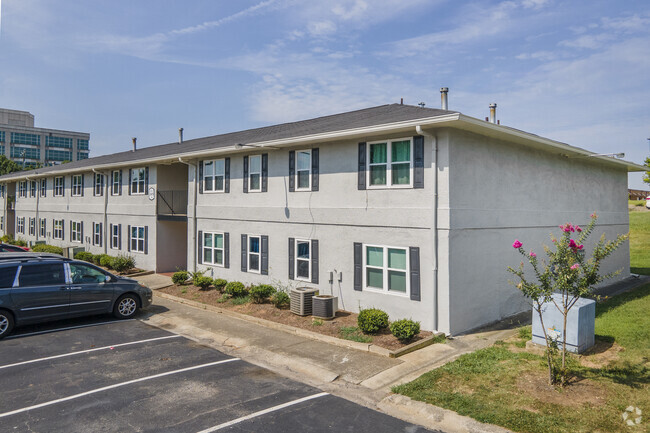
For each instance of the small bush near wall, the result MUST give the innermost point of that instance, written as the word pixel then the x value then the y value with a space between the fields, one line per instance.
pixel 83 255
pixel 203 282
pixel 404 330
pixel 235 289
pixel 371 320
pixel 6 239
pixel 106 261
pixel 180 277
pixel 44 248
pixel 280 299
pixel 123 263
pixel 18 242
pixel 261 293
pixel 219 283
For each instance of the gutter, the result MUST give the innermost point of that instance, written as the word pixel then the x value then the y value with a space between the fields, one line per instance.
pixel 434 223
pixel 196 189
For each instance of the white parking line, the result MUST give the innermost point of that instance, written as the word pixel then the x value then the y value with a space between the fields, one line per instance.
pixel 65 329
pixel 117 385
pixel 87 351
pixel 262 412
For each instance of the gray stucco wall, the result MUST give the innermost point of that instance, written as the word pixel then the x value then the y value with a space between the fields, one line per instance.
pixel 499 192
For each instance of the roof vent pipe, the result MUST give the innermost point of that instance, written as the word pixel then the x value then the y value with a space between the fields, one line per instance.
pixel 443 98
pixel 493 113
pixel 134 139
pixel 180 135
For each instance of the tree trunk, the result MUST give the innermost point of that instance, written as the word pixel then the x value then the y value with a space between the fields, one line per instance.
pixel 549 358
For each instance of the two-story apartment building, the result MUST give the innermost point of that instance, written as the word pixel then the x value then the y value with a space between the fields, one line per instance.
pixel 407 209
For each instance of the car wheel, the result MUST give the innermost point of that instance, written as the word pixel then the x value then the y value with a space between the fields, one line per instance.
pixel 6 323
pixel 126 306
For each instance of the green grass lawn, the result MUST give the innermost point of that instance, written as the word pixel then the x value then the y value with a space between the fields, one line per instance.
pixel 640 242
pixel 506 385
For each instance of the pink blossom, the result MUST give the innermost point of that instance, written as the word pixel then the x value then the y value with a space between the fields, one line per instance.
pixel 532 254
pixel 574 267
pixel 517 244
pixel 593 215
pixel 578 229
pixel 580 246
pixel 572 244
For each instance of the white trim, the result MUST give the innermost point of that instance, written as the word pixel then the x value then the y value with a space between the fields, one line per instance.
pixel 213 248
pixel 144 240
pixel 214 176
pixel 297 187
pixel 250 172
pixel 74 233
pixel 389 164
pixel 248 254
pixel 295 264
pixel 61 222
pixel 115 182
pixel 385 269
pixel 60 187
pixel 80 186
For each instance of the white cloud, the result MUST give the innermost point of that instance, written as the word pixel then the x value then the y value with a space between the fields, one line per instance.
pixel 592 42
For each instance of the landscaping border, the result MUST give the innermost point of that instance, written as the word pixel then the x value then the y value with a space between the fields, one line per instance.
pixel 364 347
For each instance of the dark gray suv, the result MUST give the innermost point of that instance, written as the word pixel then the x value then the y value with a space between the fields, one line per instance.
pixel 42 287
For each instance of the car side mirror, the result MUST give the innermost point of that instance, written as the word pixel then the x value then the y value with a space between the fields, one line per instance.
pixel 108 279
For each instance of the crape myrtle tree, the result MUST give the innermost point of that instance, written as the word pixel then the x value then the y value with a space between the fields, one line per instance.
pixel 566 271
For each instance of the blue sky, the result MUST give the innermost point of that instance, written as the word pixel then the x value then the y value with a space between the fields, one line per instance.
pixel 574 71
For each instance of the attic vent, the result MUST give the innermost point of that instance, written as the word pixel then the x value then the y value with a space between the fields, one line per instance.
pixel 301 300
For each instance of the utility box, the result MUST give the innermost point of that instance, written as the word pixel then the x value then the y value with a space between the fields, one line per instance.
pixel 580 324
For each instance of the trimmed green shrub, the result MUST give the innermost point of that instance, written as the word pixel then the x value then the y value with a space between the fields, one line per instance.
pixel 219 284
pixel 123 263
pixel 196 276
pixel 235 289
pixel 84 255
pixel 371 320
pixel 106 261
pixel 44 248
pixel 18 243
pixel 97 258
pixel 6 239
pixel 280 299
pixel 180 277
pixel 202 282
pixel 261 293
pixel 404 330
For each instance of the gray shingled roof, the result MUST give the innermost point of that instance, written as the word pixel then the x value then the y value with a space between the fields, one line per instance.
pixel 367 117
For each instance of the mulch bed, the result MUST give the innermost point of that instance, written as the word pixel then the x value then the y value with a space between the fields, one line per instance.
pixel 343 319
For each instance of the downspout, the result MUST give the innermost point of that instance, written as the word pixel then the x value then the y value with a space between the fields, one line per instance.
pixel 105 228
pixel 434 224
pixel 196 188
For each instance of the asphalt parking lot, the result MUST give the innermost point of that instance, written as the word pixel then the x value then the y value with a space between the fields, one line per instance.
pixel 121 376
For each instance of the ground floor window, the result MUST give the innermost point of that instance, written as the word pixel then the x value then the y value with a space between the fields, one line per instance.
pixel 303 260
pixel 32 226
pixel 386 269
pixel 253 253
pixel 20 225
pixel 116 231
pixel 137 239
pixel 42 227
pixel 76 231
pixel 97 234
pixel 57 233
pixel 213 248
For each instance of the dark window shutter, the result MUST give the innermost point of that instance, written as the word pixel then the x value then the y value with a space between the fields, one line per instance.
pixel 101 234
pixel 314 169
pixel 83 184
pixel 314 261
pixel 102 184
pixel 358 265
pixel 146 180
pixel 119 192
pixel 200 177
pixel 70 231
pixel 292 170
pixel 110 230
pixel 362 167
pixel 82 232
pixel 128 238
pixel 63 189
pixel 292 257
pixel 246 174
pixel 264 268
pixel 226 181
pixel 418 161
pixel 414 262
pixel 130 177
pixel 265 171
pixel 199 248
pixel 244 253
pixel 63 229
pixel 119 236
pixel 146 239
pixel 226 250
pixel 53 186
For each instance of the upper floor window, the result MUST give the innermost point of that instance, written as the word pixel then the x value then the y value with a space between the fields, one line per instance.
pixel 2 191
pixel 390 163
pixel 138 180
pixel 32 188
pixel 43 191
pixel 255 173
pixel 116 182
pixel 99 184
pixel 22 188
pixel 214 175
pixel 58 186
pixel 77 185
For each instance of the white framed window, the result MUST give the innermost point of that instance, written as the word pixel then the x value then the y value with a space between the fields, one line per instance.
pixel 43 191
pixel 2 191
pixel 57 233
pixel 115 236
pixel 22 188
pixel 32 226
pixel 77 185
pixel 20 225
pixel 99 184
pixel 76 231
pixel 255 173
pixel 254 246
pixel 213 248
pixel 136 239
pixel 214 175
pixel 2 222
pixel 97 234
pixel 58 186
pixel 303 260
pixel 116 181
pixel 138 180
pixel 386 269
pixel 42 227
pixel 390 164
pixel 32 188
pixel 303 170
